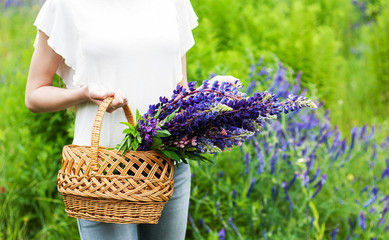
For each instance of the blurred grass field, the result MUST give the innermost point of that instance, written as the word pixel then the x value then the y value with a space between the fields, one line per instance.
pixel 340 46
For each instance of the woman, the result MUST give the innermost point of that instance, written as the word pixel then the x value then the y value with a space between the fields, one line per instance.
pixel 132 50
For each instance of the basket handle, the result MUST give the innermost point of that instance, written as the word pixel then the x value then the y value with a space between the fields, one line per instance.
pixel 97 127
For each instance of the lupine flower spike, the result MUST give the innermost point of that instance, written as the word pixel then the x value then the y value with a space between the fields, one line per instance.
pixel 210 119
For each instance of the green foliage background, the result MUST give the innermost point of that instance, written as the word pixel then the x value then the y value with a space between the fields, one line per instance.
pixel 343 53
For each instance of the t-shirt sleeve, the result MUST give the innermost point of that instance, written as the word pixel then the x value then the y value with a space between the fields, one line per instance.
pixel 56 20
pixel 187 21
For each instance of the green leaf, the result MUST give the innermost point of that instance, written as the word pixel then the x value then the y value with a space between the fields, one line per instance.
pixel 138 116
pixel 156 144
pixel 159 111
pixel 162 133
pixel 138 138
pixel 127 124
pixel 171 116
pixel 135 145
pixel 199 157
pixel 171 154
pixel 130 130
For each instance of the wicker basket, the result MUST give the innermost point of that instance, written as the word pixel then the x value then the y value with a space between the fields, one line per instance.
pixel 100 184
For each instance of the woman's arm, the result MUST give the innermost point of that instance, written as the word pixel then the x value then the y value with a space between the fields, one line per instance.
pixel 184 81
pixel 42 96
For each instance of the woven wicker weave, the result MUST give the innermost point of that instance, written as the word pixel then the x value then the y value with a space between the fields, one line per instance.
pixel 102 185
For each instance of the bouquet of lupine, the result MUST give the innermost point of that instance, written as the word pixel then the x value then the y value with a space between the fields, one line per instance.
pixel 196 122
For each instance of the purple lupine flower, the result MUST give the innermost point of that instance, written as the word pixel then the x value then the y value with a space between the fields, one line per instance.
pixel 261 160
pixel 273 161
pixel 387 228
pixel 192 223
pixel 384 198
pixel 293 180
pixel 251 187
pixel 263 71
pixel 202 223
pixel 363 132
pixel 371 135
pixel 364 189
pixel 362 221
pixel 372 210
pixel 334 233
pixel 320 185
pixel 317 173
pixel 233 226
pixel 264 235
pixel 352 223
pixel 260 61
pixel 252 70
pixel 305 179
pixel 353 134
pixel 385 173
pixel 222 234
pixel 221 173
pixel 382 220
pixel 274 193
pixel 251 87
pixel 247 162
pixel 311 222
pixel 296 87
pixel 336 143
pixel 311 160
pixel 287 195
pixel 304 152
pixel 372 199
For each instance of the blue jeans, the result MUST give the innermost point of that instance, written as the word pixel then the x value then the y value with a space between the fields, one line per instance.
pixel 171 224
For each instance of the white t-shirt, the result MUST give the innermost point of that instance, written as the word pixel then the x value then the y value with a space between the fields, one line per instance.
pixel 134 46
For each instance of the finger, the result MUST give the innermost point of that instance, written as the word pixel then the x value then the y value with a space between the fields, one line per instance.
pixel 119 100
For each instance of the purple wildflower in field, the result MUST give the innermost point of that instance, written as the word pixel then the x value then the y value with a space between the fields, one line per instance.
pixel 261 161
pixel 320 185
pixel 372 210
pixel 386 228
pixel 233 227
pixel 305 179
pixel 385 173
pixel 293 180
pixel 284 185
pixel 247 162
pixel 310 161
pixel 362 221
pixel 311 222
pixel 364 189
pixel 372 199
pixel 251 187
pixel 334 233
pixel 317 173
pixel 273 161
pixel 191 221
pixel 352 223
pixel 222 234
pixel 201 223
pixel 274 193
pixel 382 220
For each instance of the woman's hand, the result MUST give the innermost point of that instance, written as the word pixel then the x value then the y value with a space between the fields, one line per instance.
pixel 97 94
